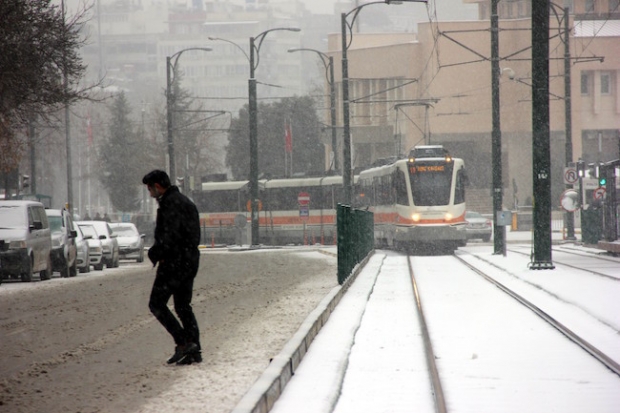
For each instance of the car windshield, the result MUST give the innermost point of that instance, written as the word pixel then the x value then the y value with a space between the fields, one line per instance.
pixel 12 217
pixel 55 223
pixel 125 231
pixel 89 230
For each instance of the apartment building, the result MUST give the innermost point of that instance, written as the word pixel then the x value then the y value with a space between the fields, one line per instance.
pixel 436 88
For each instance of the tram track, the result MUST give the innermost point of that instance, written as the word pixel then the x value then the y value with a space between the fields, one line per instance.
pixel 571 335
pixel 440 401
pixel 576 267
pixel 433 371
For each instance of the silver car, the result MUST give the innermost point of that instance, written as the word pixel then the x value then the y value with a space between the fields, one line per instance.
pixel 83 251
pixel 64 249
pixel 130 241
pixel 478 226
pixel 109 243
pixel 95 251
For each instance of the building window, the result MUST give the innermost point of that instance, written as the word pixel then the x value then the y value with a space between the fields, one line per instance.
pixel 605 83
pixel 585 83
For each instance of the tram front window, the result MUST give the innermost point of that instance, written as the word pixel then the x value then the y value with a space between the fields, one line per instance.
pixel 431 187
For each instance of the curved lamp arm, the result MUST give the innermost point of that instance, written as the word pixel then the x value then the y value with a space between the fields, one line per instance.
pixel 327 61
pixel 233 43
pixel 259 38
pixel 178 54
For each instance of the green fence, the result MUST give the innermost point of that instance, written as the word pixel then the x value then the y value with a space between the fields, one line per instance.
pixel 355 238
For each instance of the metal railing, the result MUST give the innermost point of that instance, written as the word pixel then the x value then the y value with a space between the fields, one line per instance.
pixel 355 238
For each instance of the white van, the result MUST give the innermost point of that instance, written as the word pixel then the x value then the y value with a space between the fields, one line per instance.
pixel 25 240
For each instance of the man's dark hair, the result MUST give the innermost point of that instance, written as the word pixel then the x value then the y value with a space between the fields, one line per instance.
pixel 157 177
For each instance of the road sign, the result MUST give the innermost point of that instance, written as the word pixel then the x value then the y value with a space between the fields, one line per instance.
pixel 570 175
pixel 504 218
pixel 248 205
pixel 303 198
pixel 599 193
pixel 304 212
pixel 570 200
pixel 240 221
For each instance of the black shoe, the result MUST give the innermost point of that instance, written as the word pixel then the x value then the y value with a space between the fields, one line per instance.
pixel 181 351
pixel 189 358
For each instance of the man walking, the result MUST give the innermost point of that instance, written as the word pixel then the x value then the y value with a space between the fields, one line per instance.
pixel 177 235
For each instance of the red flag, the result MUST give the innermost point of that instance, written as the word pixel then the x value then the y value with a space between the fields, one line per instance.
pixel 89 130
pixel 288 138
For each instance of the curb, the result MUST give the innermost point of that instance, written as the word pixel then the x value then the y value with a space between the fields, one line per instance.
pixel 270 385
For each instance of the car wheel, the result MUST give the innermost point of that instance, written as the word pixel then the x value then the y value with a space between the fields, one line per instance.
pixel 65 270
pixel 98 267
pixel 27 273
pixel 46 274
pixel 141 257
pixel 87 267
pixel 117 262
pixel 486 239
pixel 73 269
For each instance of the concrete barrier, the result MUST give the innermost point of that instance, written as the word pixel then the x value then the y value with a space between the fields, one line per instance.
pixel 267 389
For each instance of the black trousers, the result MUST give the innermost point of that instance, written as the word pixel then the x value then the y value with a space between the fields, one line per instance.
pixel 180 288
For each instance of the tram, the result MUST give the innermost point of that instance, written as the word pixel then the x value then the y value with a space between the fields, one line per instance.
pixel 295 210
pixel 418 202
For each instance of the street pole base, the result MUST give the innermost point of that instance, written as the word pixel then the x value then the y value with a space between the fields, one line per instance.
pixel 543 265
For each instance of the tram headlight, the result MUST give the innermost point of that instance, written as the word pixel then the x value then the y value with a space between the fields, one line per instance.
pixel 415 217
pixel 448 216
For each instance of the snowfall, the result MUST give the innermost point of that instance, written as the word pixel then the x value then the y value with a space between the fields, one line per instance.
pixel 493 354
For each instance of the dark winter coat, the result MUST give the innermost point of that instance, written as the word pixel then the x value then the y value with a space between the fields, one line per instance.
pixel 177 235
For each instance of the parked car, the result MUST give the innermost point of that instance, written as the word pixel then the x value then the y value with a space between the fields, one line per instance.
pixel 109 243
pixel 130 241
pixel 478 226
pixel 25 240
pixel 95 250
pixel 83 252
pixel 64 248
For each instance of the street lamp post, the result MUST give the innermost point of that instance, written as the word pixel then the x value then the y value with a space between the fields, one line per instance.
pixel 346 149
pixel 328 62
pixel 255 45
pixel 499 231
pixel 171 102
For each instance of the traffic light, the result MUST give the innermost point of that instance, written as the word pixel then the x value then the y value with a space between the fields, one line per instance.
pixel 602 177
pixel 25 181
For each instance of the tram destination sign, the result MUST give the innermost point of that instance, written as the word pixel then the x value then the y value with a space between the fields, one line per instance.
pixel 417 168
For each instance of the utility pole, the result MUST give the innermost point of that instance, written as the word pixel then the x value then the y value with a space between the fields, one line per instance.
pixel 496 134
pixel 67 129
pixel 541 151
pixel 570 216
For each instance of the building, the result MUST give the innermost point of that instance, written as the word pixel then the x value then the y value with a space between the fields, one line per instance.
pixel 436 88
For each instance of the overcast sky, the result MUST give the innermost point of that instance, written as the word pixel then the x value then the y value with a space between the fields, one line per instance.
pixel 446 9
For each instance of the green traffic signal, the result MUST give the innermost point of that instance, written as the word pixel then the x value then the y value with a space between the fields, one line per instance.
pixel 602 181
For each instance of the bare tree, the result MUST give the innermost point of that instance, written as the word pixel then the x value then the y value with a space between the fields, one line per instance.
pixel 40 67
